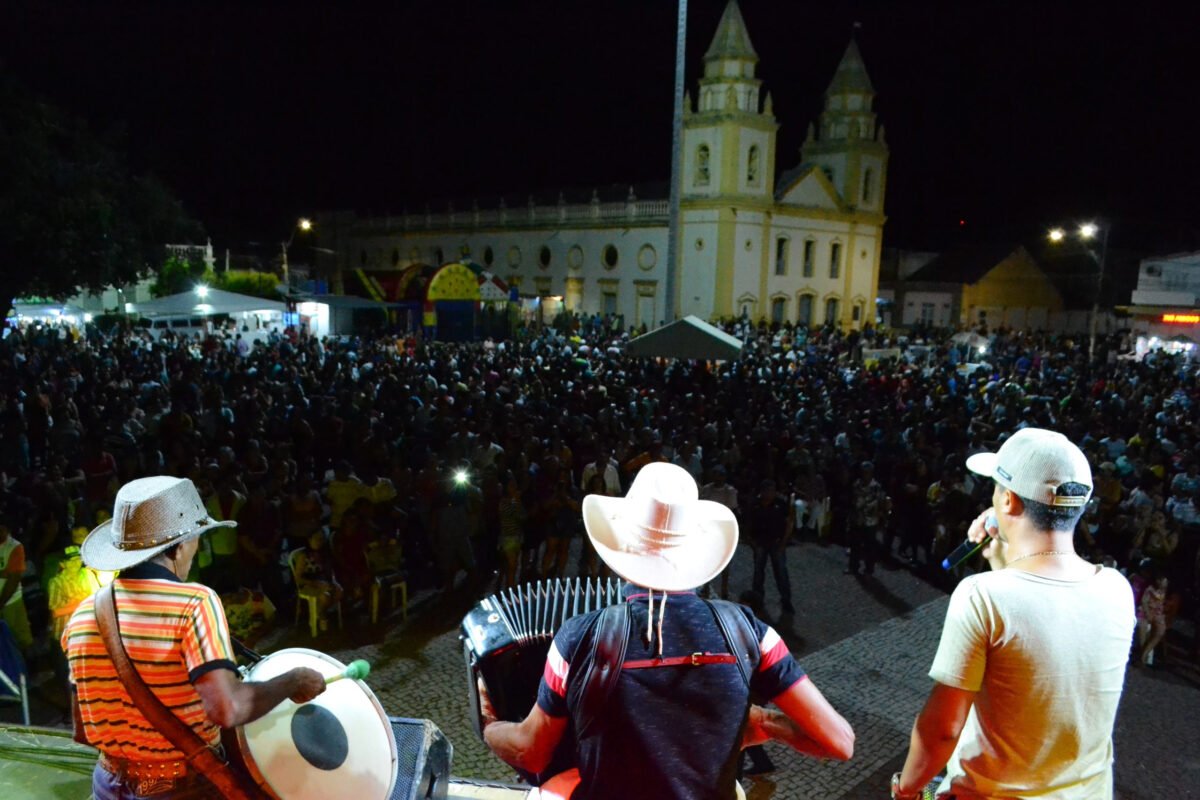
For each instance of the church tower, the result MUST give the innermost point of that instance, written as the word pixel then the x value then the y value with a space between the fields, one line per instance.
pixel 847 146
pixel 728 176
pixel 729 138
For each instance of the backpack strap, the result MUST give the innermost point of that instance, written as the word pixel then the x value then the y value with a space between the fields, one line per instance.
pixel 739 636
pixel 610 637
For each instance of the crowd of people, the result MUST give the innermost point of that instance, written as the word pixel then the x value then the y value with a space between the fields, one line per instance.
pixel 371 454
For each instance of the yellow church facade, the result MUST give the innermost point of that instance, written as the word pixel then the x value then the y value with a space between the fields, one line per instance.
pixel 799 246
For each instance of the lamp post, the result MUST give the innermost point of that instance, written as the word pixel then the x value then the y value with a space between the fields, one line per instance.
pixel 303 224
pixel 1087 233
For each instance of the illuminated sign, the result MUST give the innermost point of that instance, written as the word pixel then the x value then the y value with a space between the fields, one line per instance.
pixel 1190 319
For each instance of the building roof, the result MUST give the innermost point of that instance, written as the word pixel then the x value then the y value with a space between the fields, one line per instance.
pixel 851 75
pixel 731 39
pixel 689 338
pixel 964 264
pixel 217 301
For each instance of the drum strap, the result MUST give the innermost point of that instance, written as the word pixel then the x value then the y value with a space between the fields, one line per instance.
pixel 230 783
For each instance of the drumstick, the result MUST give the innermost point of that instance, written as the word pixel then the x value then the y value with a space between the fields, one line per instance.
pixel 357 670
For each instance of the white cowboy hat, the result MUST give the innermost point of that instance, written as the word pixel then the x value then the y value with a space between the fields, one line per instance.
pixel 149 516
pixel 661 535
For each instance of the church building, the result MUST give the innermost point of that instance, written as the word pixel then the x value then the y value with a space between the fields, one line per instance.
pixel 801 245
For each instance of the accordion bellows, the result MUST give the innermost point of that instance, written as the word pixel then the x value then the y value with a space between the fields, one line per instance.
pixel 507 635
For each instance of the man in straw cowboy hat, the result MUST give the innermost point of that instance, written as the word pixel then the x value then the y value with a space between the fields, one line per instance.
pixel 176 635
pixel 1032 659
pixel 671 720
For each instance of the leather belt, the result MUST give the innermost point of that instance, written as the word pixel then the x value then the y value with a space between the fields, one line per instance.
pixel 693 660
pixel 146 778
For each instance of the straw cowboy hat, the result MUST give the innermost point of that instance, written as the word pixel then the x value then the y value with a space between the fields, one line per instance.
pixel 661 535
pixel 149 516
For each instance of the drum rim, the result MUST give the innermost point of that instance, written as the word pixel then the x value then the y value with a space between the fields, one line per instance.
pixel 244 743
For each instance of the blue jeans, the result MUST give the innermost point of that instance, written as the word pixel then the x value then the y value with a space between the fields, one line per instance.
pixel 783 583
pixel 106 786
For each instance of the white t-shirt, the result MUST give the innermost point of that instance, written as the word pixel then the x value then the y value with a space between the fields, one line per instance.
pixel 1047 658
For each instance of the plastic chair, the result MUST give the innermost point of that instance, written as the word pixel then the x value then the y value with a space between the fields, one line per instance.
pixel 307 596
pixel 396 581
pixel 13 681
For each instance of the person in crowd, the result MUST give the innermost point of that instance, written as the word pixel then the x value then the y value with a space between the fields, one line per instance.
pixel 678 731
pixel 770 527
pixel 12 570
pixel 1152 618
pixel 178 629
pixel 315 575
pixel 342 490
pixel 512 526
pixel 1031 664
pixel 871 506
pixel 718 490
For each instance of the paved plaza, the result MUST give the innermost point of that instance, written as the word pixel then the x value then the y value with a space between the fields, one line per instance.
pixel 867 643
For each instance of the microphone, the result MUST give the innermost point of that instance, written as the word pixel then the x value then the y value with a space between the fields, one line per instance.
pixel 968 548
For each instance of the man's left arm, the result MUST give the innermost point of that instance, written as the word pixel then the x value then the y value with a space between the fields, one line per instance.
pixel 934 736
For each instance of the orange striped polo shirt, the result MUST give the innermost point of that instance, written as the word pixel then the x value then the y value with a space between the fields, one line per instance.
pixel 174 633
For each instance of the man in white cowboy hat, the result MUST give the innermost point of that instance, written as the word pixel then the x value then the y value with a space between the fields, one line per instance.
pixel 176 635
pixel 1032 659
pixel 673 722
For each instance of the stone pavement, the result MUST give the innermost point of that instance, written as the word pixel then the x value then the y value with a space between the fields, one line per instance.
pixel 867 643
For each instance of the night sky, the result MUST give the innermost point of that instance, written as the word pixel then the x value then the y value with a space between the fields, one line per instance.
pixel 1008 117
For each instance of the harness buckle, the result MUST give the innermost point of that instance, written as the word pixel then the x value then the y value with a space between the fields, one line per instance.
pixel 696 659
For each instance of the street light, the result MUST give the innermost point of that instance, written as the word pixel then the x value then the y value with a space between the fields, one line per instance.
pixel 1086 233
pixel 303 224
pixel 202 291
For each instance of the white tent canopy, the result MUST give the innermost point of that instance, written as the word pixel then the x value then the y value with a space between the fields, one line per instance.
pixel 690 337
pixel 216 301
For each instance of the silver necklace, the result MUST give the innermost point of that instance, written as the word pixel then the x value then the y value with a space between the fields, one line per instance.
pixel 1043 553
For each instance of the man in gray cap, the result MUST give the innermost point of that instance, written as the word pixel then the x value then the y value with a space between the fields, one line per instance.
pixel 1032 659
pixel 176 635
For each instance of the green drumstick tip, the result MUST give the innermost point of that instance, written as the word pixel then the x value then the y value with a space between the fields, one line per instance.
pixel 358 670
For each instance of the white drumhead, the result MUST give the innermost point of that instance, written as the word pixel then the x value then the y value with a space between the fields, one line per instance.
pixel 339 745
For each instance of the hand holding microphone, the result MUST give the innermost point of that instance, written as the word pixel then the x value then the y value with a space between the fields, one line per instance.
pixel 979 536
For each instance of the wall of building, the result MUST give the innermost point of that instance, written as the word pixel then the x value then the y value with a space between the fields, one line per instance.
pixel 1015 289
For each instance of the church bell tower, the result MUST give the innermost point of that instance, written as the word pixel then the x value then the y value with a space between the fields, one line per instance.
pixel 729 137
pixel 846 143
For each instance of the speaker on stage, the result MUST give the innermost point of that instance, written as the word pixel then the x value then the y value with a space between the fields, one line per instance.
pixel 423 756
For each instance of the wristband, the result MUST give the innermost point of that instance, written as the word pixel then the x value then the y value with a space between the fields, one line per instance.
pixel 896 793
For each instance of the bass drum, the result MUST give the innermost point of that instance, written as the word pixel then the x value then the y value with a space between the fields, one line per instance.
pixel 338 745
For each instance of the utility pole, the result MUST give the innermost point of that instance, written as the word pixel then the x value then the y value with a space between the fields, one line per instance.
pixel 671 305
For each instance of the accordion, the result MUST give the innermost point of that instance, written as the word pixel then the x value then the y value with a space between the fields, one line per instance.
pixel 507 635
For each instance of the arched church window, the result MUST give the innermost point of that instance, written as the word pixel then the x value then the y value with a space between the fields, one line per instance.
pixel 702 165
pixel 835 260
pixel 831 311
pixel 752 166
pixel 804 310
pixel 778 310
pixel 868 188
pixel 781 255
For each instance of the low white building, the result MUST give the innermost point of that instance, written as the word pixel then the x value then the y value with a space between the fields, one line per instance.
pixel 1165 306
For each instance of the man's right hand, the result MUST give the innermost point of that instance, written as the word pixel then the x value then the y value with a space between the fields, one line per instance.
pixel 994 551
pixel 305 684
